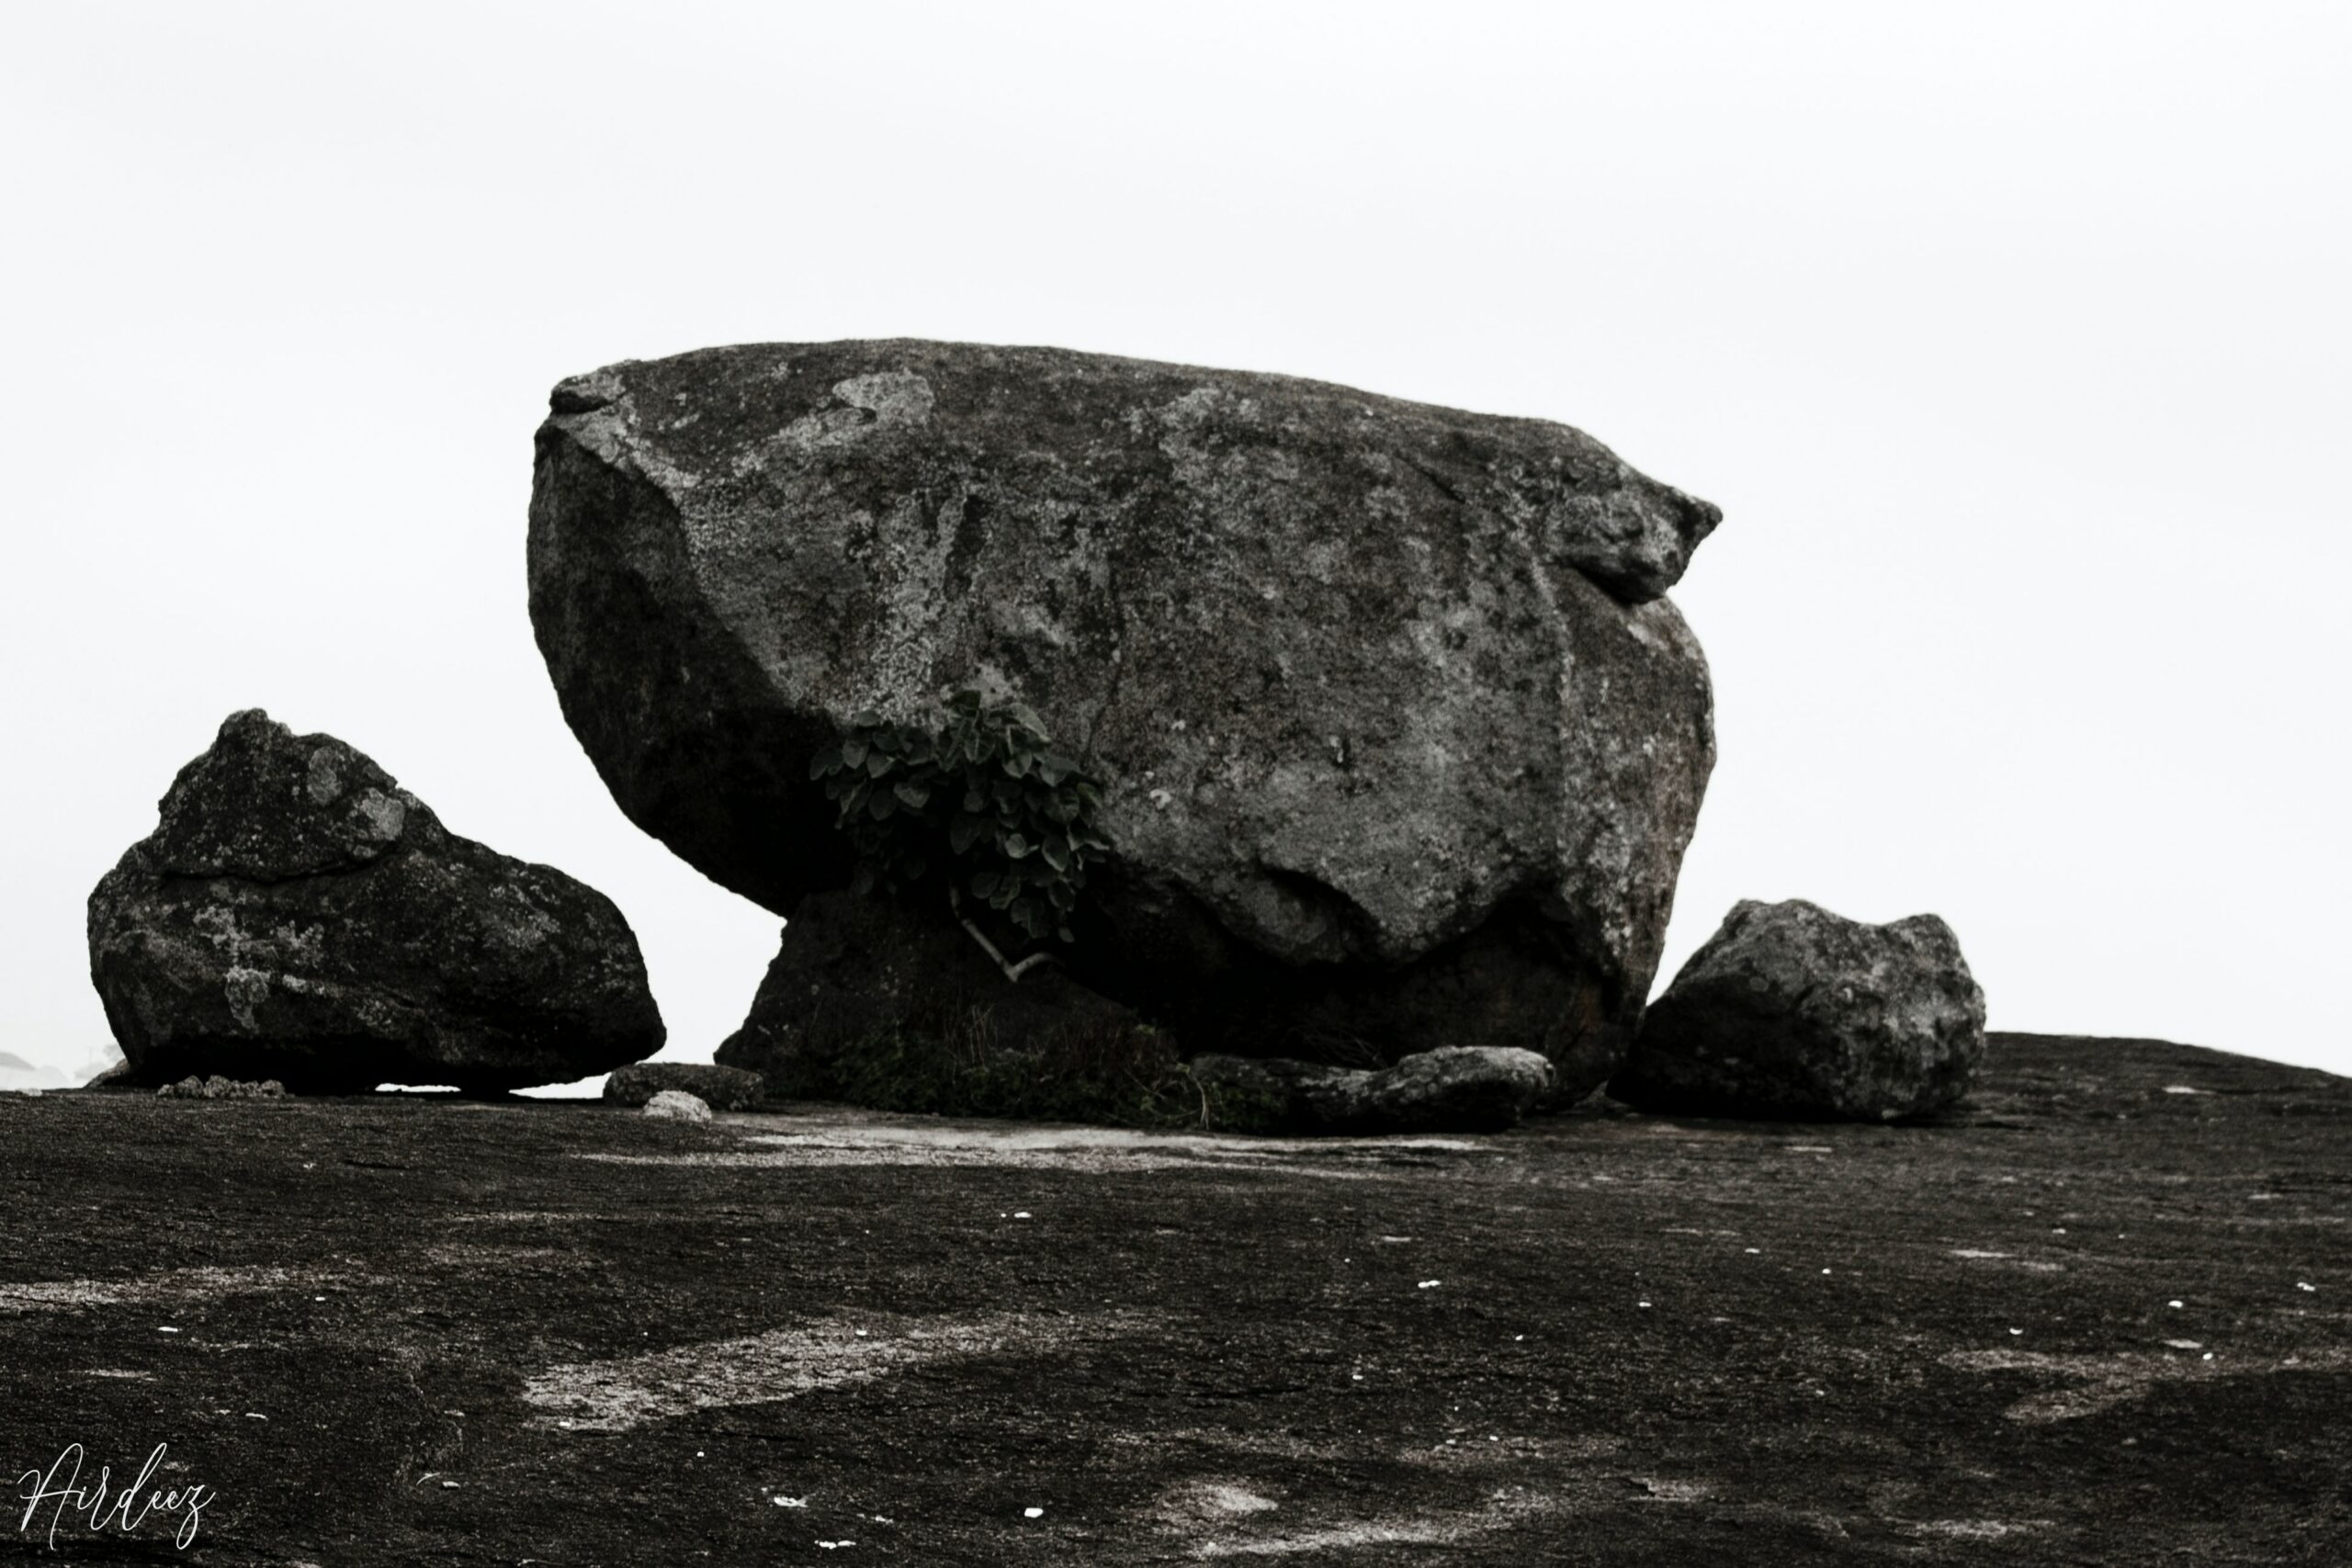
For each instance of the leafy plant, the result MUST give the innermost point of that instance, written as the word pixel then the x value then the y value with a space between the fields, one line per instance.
pixel 986 803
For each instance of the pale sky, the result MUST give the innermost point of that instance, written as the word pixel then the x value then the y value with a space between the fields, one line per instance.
pixel 2011 338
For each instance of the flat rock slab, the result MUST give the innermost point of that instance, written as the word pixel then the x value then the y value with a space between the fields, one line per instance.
pixel 408 1330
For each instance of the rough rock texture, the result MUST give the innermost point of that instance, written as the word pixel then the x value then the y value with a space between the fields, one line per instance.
pixel 1401 747
pixel 297 915
pixel 854 974
pixel 219 1087
pixel 1696 1344
pixel 1460 1089
pixel 677 1105
pixel 722 1089
pixel 1792 1012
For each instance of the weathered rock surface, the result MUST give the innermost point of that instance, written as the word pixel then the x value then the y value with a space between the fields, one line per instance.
pixel 1460 1089
pixel 297 915
pixel 868 1001
pixel 677 1105
pixel 1201 1350
pixel 1400 746
pixel 219 1087
pixel 1789 1010
pixel 722 1089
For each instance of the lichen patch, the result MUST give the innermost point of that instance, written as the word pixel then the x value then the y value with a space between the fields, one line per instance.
pixel 768 1369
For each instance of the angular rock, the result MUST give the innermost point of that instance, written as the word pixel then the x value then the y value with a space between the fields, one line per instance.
pixel 1400 746
pixel 297 915
pixel 676 1105
pixel 1454 1088
pixel 721 1088
pixel 1789 1010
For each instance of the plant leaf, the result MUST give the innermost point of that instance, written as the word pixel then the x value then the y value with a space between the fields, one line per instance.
pixel 915 796
pixel 853 751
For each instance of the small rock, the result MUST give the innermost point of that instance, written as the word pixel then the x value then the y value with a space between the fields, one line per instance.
pixel 721 1088
pixel 1789 1010
pixel 219 1087
pixel 677 1105
pixel 1455 1088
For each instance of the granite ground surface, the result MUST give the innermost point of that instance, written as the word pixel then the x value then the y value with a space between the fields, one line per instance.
pixel 2102 1316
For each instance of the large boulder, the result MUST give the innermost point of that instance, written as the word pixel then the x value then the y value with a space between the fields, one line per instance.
pixel 1400 746
pixel 1789 1010
pixel 297 915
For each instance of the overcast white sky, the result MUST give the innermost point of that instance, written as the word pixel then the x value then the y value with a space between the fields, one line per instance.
pixel 2012 339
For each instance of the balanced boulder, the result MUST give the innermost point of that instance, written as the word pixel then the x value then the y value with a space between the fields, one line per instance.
pixel 1399 745
pixel 1789 1010
pixel 297 915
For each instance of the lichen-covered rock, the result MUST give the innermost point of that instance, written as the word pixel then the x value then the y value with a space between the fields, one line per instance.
pixel 1789 1010
pixel 721 1088
pixel 677 1105
pixel 297 915
pixel 1400 745
pixel 1454 1088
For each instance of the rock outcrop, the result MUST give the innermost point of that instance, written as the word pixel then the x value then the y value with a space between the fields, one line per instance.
pixel 1789 1010
pixel 297 915
pixel 721 1088
pixel 1400 746
pixel 1459 1088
